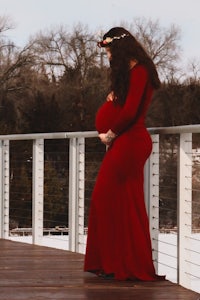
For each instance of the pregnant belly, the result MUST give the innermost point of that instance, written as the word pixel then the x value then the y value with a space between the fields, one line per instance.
pixel 106 116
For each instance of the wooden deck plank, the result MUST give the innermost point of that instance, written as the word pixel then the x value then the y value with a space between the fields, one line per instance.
pixel 30 272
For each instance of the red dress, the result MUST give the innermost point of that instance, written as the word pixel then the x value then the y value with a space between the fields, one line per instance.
pixel 118 232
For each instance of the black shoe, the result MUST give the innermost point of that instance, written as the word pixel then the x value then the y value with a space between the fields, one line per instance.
pixel 107 276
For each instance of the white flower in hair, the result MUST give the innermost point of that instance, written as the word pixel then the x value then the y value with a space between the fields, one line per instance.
pixel 109 40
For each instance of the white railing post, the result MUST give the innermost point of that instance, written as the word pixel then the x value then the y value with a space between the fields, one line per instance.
pixel 76 193
pixel 1 190
pixel 81 194
pixel 38 191
pixel 4 189
pixel 184 208
pixel 151 188
pixel 72 213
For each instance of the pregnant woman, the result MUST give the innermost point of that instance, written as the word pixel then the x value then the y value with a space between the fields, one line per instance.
pixel 118 243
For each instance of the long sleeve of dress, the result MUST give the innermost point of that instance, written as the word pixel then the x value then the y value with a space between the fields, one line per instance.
pixel 138 80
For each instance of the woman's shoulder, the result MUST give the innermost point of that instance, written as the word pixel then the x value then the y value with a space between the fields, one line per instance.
pixel 139 70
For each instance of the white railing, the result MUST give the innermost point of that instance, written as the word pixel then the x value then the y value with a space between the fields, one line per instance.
pixel 177 256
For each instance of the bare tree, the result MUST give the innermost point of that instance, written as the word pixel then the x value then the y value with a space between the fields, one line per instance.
pixel 12 59
pixel 162 44
pixel 58 50
pixel 194 71
pixel 50 48
pixel 5 24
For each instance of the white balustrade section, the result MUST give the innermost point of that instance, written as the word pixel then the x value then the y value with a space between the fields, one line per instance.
pixel 77 187
pixel 151 189
pixel 184 209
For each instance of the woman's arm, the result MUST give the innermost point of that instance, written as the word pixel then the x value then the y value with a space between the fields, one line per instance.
pixel 138 80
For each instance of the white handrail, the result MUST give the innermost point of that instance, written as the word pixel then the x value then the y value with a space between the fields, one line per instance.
pixel 46 136
pixel 90 134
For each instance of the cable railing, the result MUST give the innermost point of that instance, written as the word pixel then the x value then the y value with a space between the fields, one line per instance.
pixel 47 180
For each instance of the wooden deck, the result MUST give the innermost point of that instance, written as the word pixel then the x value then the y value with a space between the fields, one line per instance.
pixel 29 272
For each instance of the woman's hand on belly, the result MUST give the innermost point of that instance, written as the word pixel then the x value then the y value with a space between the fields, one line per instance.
pixel 107 138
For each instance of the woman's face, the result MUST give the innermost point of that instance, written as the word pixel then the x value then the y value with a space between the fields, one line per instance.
pixel 108 52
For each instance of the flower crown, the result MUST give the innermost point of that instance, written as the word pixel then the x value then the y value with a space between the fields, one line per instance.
pixel 109 40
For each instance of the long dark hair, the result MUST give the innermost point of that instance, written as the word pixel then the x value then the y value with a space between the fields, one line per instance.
pixel 124 47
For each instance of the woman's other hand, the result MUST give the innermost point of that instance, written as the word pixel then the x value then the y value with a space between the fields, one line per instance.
pixel 110 97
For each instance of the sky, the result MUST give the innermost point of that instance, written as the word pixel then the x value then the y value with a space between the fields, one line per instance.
pixel 31 16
